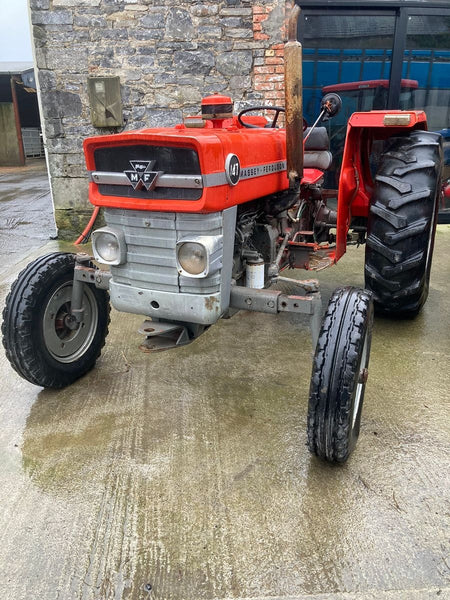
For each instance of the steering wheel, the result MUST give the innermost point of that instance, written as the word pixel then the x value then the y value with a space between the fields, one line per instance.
pixel 273 124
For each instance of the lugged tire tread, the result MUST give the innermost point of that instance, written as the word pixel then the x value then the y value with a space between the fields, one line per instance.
pixel 399 202
pixel 394 256
pixel 425 164
pixel 402 222
pixel 402 156
pixel 387 283
pixel 395 220
pixel 394 182
pixel 391 237
pixel 410 263
pixel 423 144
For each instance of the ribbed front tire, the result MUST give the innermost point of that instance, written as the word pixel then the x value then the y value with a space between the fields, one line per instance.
pixel 339 375
pixel 402 223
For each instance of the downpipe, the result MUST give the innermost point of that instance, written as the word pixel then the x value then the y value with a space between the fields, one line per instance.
pixel 293 86
pixel 293 92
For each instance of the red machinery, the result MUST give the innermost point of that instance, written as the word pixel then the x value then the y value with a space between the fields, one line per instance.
pixel 202 219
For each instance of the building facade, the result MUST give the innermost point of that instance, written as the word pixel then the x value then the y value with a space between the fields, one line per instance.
pixel 165 55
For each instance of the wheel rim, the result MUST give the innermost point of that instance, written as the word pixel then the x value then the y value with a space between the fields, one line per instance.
pixel 361 382
pixel 64 344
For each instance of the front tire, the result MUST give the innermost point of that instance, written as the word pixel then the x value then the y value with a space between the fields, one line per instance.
pixel 339 375
pixel 39 343
pixel 402 223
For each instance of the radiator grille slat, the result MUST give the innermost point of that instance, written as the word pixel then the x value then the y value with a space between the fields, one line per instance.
pixel 163 257
pixel 137 276
pixel 158 240
pixel 151 246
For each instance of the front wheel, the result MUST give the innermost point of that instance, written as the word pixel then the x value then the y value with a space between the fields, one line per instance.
pixel 339 375
pixel 42 342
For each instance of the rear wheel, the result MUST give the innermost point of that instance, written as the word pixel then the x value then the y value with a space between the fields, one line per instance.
pixel 339 375
pixel 42 341
pixel 402 223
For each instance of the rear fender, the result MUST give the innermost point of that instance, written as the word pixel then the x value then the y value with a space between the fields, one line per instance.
pixel 355 181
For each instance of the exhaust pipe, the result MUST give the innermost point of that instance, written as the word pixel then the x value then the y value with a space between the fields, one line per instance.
pixel 293 86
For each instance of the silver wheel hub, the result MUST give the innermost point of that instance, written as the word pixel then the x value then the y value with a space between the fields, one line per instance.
pixel 362 378
pixel 65 339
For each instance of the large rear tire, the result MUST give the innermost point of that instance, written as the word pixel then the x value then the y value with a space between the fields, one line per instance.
pixel 339 375
pixel 39 343
pixel 402 223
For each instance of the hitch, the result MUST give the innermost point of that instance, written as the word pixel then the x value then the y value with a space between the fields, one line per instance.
pixel 274 302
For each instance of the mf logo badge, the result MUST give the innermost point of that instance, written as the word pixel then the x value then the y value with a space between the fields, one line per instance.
pixel 142 175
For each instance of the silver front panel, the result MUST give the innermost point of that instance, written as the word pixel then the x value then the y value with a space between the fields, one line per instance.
pixel 150 273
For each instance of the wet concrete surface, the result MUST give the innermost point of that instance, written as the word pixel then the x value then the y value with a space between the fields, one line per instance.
pixel 187 472
pixel 26 211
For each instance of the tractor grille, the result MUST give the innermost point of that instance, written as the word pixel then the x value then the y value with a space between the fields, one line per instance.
pixel 165 159
pixel 151 246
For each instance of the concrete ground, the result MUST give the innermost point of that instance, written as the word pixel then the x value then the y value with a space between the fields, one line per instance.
pixel 184 474
pixel 26 212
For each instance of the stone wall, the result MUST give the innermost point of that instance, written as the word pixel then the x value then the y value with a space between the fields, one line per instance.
pixel 168 55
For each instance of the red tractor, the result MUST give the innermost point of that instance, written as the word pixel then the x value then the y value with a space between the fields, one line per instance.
pixel 201 220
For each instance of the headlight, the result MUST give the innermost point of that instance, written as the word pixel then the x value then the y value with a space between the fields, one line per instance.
pixel 199 256
pixel 192 257
pixel 109 246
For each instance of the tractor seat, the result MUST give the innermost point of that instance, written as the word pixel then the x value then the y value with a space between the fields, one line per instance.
pixel 318 140
pixel 317 154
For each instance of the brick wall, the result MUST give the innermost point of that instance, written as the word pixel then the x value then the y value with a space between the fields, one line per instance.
pixel 168 55
pixel 269 26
